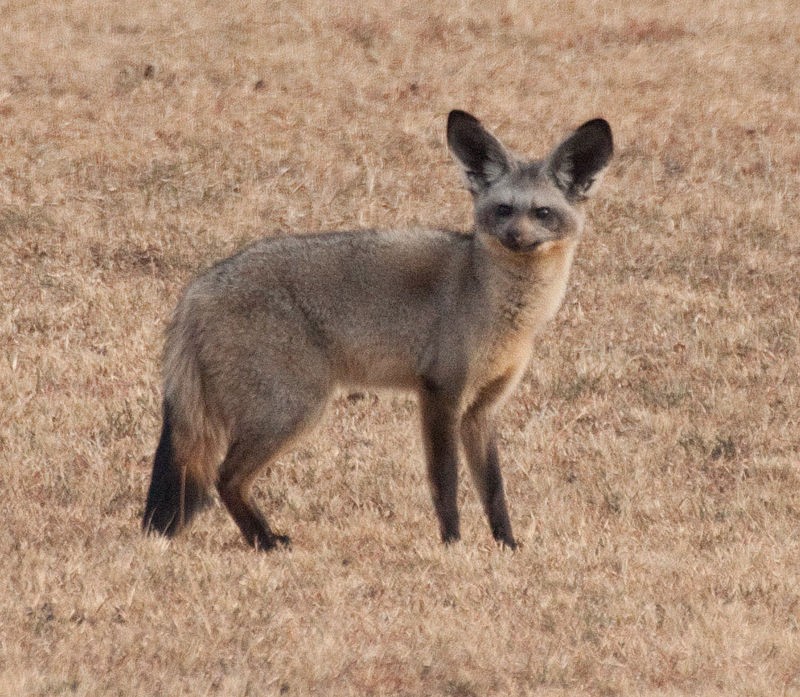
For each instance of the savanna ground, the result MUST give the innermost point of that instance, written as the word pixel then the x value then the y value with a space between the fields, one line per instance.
pixel 651 452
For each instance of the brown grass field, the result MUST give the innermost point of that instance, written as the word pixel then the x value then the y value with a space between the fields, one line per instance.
pixel 651 452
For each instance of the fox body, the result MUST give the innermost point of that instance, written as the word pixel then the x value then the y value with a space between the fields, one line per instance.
pixel 260 341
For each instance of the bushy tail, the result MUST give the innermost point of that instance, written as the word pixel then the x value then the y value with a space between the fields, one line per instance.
pixel 188 452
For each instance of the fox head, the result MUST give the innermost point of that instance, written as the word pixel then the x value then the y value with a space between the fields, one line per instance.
pixel 524 205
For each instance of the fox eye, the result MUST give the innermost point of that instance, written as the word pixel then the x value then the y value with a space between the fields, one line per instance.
pixel 541 213
pixel 504 210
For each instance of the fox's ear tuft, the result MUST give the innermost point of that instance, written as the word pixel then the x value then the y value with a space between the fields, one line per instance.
pixel 577 164
pixel 482 157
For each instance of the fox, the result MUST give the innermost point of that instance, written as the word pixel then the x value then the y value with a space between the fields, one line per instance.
pixel 259 342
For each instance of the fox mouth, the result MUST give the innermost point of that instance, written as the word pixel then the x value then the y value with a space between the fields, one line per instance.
pixel 517 246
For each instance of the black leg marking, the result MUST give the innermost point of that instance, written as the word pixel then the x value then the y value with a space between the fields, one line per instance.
pixel 480 446
pixel 439 426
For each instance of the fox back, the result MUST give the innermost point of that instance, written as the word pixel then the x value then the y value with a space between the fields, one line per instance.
pixel 260 341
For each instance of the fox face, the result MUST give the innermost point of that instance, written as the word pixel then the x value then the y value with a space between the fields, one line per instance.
pixel 525 205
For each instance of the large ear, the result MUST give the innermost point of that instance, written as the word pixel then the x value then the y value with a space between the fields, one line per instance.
pixel 482 157
pixel 578 162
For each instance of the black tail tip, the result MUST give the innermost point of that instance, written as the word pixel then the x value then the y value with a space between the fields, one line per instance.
pixel 173 497
pixel 160 521
pixel 168 510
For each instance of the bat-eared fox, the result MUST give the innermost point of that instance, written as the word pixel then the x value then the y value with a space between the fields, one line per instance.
pixel 260 341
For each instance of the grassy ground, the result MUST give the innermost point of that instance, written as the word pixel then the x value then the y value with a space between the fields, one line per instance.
pixel 651 452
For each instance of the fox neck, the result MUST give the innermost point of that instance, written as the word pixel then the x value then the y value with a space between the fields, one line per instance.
pixel 527 287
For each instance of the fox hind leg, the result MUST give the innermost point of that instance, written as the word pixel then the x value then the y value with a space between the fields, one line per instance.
pixel 269 431
pixel 241 464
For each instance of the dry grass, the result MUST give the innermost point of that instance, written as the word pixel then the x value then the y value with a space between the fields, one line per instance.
pixel 651 453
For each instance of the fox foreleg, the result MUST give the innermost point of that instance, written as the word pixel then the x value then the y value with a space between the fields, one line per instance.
pixel 480 446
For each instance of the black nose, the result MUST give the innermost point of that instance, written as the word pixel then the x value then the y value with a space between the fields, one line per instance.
pixel 512 238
